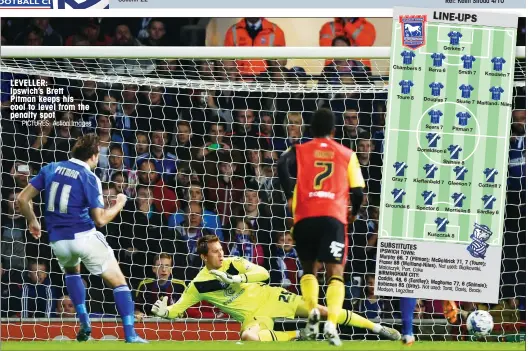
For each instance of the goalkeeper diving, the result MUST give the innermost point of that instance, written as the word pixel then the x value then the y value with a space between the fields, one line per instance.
pixel 236 286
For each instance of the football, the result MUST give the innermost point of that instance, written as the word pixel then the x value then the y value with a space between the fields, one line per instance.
pixel 479 323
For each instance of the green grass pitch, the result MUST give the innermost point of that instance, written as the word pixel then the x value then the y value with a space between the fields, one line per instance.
pixel 250 346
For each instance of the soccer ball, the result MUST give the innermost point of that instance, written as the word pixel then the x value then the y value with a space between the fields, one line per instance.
pixel 479 323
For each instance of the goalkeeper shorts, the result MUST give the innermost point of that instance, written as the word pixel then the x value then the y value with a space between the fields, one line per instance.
pixel 280 304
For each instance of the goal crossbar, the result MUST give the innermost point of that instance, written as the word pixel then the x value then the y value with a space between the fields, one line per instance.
pixel 206 52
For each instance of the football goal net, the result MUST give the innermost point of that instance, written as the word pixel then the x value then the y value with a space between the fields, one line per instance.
pixel 192 136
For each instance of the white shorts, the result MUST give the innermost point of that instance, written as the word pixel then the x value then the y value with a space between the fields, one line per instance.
pixel 88 247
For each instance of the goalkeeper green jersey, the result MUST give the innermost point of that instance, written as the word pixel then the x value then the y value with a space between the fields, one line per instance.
pixel 238 300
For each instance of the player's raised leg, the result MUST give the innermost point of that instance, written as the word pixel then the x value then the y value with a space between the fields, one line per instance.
pixel 407 305
pixel 335 295
pixel 310 294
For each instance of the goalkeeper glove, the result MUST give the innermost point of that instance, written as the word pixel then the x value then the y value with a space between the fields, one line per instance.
pixel 228 278
pixel 160 308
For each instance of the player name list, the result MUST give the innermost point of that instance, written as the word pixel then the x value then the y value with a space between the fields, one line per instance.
pixel 416 269
pixel 36 102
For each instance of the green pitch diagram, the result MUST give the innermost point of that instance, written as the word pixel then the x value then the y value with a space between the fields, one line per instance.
pixel 446 149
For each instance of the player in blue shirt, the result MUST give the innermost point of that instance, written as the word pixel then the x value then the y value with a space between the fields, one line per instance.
pixel 428 197
pixel 406 86
pixel 454 37
pixel 435 88
pixel 466 90
pixel 438 57
pixel 73 207
pixel 460 172
pixel 463 118
pixel 432 138
pixel 435 116
pixel 458 199
pixel 407 56
pixel 468 61
pixel 398 195
pixel 441 224
pixel 497 63
pixel 496 92
pixel 454 150
pixel 490 174
pixel 400 168
pixel 488 201
pixel 430 170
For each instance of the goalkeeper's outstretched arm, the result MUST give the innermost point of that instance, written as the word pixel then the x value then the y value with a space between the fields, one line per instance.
pixel 247 273
pixel 189 298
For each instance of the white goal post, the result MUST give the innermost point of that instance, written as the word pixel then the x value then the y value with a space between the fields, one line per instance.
pixel 197 89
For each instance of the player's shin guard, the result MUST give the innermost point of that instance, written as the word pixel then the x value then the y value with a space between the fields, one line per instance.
pixel 310 290
pixel 77 292
pixel 335 295
pixel 270 335
pixel 351 319
pixel 125 308
pixel 407 305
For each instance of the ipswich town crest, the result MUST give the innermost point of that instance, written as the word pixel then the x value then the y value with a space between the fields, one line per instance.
pixel 479 246
pixel 413 31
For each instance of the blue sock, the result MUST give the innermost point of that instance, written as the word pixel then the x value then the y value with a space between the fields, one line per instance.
pixel 77 293
pixel 125 308
pixel 407 305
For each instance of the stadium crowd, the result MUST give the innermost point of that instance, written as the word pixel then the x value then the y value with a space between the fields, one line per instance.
pixel 197 162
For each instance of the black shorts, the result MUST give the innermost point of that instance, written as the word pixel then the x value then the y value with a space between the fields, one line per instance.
pixel 320 239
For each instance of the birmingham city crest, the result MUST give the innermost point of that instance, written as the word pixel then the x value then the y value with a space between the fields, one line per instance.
pixel 413 31
pixel 481 234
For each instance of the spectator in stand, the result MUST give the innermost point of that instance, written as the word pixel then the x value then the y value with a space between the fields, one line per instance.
pixel 285 266
pixel 123 37
pixel 253 163
pixel 141 229
pixel 181 242
pixel 215 139
pixel 378 121
pixel 336 67
pixel 244 129
pixel 116 163
pixel 293 129
pixel 107 135
pixel 90 28
pixel 153 110
pixel 370 163
pixel 150 290
pixel 87 94
pixel 20 173
pixel 165 200
pixel 160 153
pixel 123 184
pixel 211 221
pixel 38 294
pixel 141 145
pixel 254 31
pixel 243 242
pixel 266 128
pixel 65 308
pixel 127 111
pixel 358 30
pixel 50 37
pixel 225 189
pixel 351 128
pixel 48 145
pixel 111 230
pixel 156 34
pixel 371 305
pixel 183 141
pixel 10 291
pixel 32 36
pixel 14 232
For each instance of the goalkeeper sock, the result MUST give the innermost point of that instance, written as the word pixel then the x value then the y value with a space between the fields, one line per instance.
pixel 125 308
pixel 407 305
pixel 310 290
pixel 351 319
pixel 77 292
pixel 335 295
pixel 270 335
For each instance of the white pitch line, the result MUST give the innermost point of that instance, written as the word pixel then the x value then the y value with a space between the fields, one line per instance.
pixel 439 132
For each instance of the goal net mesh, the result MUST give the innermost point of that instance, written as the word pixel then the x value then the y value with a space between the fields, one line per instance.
pixel 194 143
